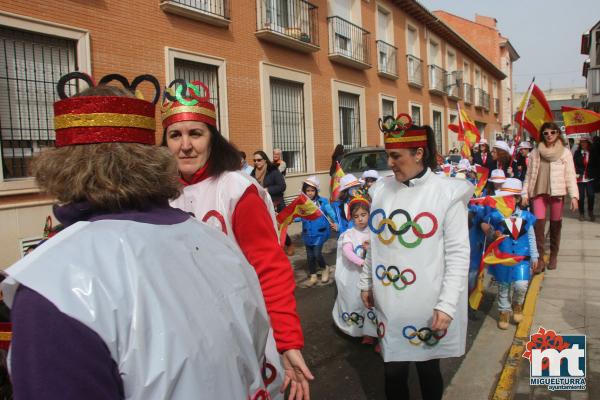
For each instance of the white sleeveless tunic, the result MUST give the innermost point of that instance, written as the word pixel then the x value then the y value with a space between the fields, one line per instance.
pixel 420 265
pixel 213 201
pixel 178 307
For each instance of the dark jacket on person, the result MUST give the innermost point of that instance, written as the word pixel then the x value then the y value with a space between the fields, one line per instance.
pixel 490 163
pixel 274 182
pixel 593 167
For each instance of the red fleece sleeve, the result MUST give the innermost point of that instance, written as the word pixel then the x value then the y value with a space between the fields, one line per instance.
pixel 254 231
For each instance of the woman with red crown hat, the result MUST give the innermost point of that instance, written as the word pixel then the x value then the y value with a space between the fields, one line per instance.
pixel 218 193
pixel 415 273
pixel 133 299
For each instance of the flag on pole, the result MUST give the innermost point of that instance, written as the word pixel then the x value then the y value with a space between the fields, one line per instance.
pixel 505 205
pixel 482 177
pixel 467 132
pixel 334 185
pixel 533 111
pixel 580 120
pixel 492 256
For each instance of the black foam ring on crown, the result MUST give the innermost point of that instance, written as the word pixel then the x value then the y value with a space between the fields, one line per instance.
pixel 60 86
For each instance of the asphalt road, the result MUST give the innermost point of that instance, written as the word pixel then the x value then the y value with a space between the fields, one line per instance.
pixel 345 369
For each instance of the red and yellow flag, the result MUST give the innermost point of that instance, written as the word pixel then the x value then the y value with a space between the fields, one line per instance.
pixel 467 132
pixel 302 207
pixel 334 185
pixel 492 256
pixel 580 120
pixel 482 177
pixel 533 111
pixel 505 205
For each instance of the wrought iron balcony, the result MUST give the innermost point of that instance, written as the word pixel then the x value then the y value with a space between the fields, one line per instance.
pixel 486 101
pixel 387 60
pixel 468 93
pixel 496 105
pixel 349 44
pixel 437 80
pixel 290 23
pixel 479 97
pixel 454 88
pixel 415 70
pixel 214 12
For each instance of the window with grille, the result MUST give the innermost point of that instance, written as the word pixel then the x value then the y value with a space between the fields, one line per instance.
pixel 206 73
pixel 30 66
pixel 415 114
pixel 287 114
pixel 387 107
pixel 349 120
pixel 437 130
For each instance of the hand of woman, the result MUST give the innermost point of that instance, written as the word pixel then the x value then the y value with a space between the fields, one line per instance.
pixel 296 373
pixel 441 321
pixel 367 298
pixel 574 204
pixel 334 226
pixel 524 201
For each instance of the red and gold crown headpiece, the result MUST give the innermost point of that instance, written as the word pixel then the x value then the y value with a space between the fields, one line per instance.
pixel 399 133
pixel 104 119
pixel 358 198
pixel 184 101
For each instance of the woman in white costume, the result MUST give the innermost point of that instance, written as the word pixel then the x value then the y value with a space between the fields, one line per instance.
pixel 133 299
pixel 218 193
pixel 416 272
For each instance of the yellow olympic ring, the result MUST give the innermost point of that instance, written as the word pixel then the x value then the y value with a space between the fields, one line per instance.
pixel 392 224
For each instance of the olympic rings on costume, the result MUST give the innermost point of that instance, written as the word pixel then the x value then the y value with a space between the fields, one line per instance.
pixel 353 319
pixel 269 373
pixel 381 330
pixel 372 316
pixel 423 335
pixel 398 230
pixel 391 275
pixel 360 251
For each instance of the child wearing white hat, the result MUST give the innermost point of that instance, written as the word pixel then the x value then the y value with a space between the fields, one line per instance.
pixel 369 177
pixel 497 178
pixel 519 240
pixel 316 232
pixel 349 186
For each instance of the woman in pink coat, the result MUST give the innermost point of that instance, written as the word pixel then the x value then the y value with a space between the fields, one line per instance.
pixel 550 176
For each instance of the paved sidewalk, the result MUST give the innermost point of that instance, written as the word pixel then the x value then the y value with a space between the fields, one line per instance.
pixel 569 303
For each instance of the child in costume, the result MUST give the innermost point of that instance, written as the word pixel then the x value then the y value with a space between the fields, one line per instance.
pixel 316 232
pixel 495 181
pixel 349 186
pixel 369 177
pixel 519 240
pixel 349 313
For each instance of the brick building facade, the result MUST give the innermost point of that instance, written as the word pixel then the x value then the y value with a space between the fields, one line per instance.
pixel 284 73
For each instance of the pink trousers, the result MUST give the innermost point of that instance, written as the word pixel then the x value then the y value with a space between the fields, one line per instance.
pixel 543 202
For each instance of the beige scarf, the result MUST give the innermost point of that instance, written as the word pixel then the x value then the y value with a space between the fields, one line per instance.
pixel 259 174
pixel 547 155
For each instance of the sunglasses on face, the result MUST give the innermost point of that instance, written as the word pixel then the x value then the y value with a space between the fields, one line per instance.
pixel 548 133
pixel 257 160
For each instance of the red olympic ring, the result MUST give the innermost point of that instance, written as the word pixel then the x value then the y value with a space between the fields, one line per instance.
pixel 218 216
pixel 433 229
pixel 262 394
pixel 381 330
pixel 268 378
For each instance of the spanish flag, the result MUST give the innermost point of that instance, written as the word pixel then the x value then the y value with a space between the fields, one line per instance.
pixel 580 120
pixel 505 205
pixel 467 132
pixel 533 111
pixel 334 185
pixel 302 207
pixel 492 256
pixel 482 177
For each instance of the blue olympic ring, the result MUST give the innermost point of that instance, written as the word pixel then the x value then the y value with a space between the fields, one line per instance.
pixel 372 316
pixel 423 335
pixel 360 251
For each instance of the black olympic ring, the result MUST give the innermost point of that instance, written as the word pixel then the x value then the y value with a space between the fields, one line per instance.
pixel 393 275
pixel 423 335
pixel 353 318
pixel 268 372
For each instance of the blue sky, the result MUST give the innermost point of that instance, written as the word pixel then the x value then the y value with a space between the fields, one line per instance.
pixel 545 33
